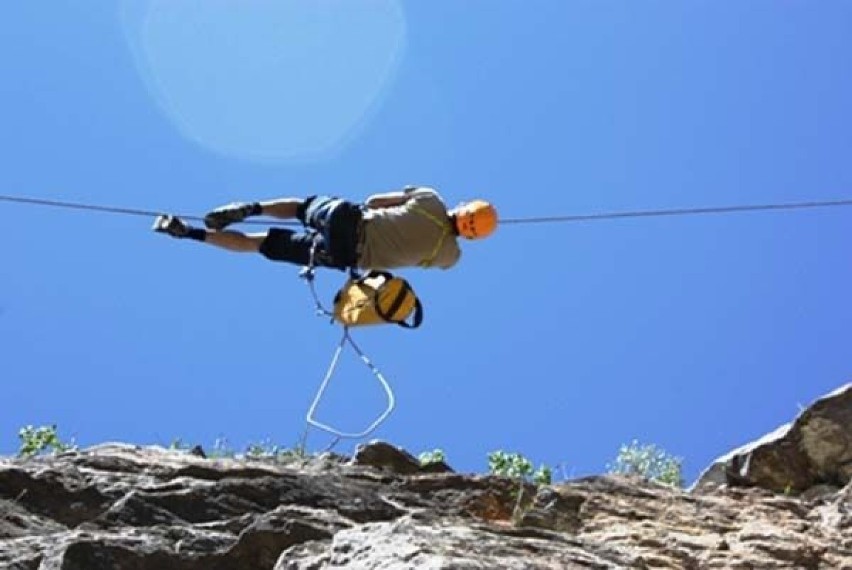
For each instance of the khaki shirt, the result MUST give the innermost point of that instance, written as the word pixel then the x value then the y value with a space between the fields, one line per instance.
pixel 409 234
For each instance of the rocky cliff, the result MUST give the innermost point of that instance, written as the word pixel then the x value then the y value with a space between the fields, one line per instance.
pixel 119 506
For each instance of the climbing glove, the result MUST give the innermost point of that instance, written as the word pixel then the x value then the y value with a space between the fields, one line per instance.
pixel 171 225
pixel 224 216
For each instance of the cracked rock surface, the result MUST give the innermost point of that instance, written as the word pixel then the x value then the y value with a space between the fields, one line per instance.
pixel 118 506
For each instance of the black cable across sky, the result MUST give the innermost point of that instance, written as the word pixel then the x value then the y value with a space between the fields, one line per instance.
pixel 504 221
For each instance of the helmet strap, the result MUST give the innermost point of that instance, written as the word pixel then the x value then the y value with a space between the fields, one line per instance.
pixel 454 224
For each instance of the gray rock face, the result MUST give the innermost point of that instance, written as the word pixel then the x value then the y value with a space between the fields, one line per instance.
pixel 120 507
pixel 382 455
pixel 815 449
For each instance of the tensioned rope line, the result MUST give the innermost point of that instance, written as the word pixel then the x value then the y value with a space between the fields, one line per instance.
pixel 115 210
pixel 676 212
pixel 505 221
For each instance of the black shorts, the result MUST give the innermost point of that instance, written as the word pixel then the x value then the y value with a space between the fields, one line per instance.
pixel 334 223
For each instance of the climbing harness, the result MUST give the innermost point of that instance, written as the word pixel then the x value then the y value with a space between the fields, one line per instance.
pixel 375 298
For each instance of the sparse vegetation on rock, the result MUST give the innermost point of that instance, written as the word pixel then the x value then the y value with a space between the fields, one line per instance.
pixel 149 507
pixel 650 462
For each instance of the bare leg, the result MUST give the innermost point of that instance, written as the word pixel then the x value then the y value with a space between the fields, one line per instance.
pixel 235 241
pixel 284 208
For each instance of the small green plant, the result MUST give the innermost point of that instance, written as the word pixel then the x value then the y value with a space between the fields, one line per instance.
pixel 268 450
pixel 263 449
pixel 650 462
pixel 517 466
pixel 222 449
pixel 430 457
pixel 35 440
pixel 512 465
pixel 543 475
pixel 300 450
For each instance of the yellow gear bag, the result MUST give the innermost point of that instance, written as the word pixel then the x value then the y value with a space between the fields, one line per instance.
pixel 377 298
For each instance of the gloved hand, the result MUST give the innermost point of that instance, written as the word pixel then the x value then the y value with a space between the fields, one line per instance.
pixel 224 216
pixel 171 225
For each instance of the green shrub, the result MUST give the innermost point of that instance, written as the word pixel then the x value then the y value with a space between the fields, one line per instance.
pixel 39 440
pixel 650 462
pixel 429 457
pixel 517 466
pixel 543 475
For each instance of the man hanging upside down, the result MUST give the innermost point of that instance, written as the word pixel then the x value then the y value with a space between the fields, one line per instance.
pixel 409 228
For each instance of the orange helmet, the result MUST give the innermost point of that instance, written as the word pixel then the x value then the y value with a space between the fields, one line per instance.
pixel 476 219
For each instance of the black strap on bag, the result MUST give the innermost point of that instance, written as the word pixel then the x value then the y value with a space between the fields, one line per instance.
pixel 406 289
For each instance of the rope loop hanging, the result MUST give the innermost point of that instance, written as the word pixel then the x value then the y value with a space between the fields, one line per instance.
pixel 308 273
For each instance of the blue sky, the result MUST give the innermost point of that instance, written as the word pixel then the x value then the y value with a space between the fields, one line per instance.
pixel 559 341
